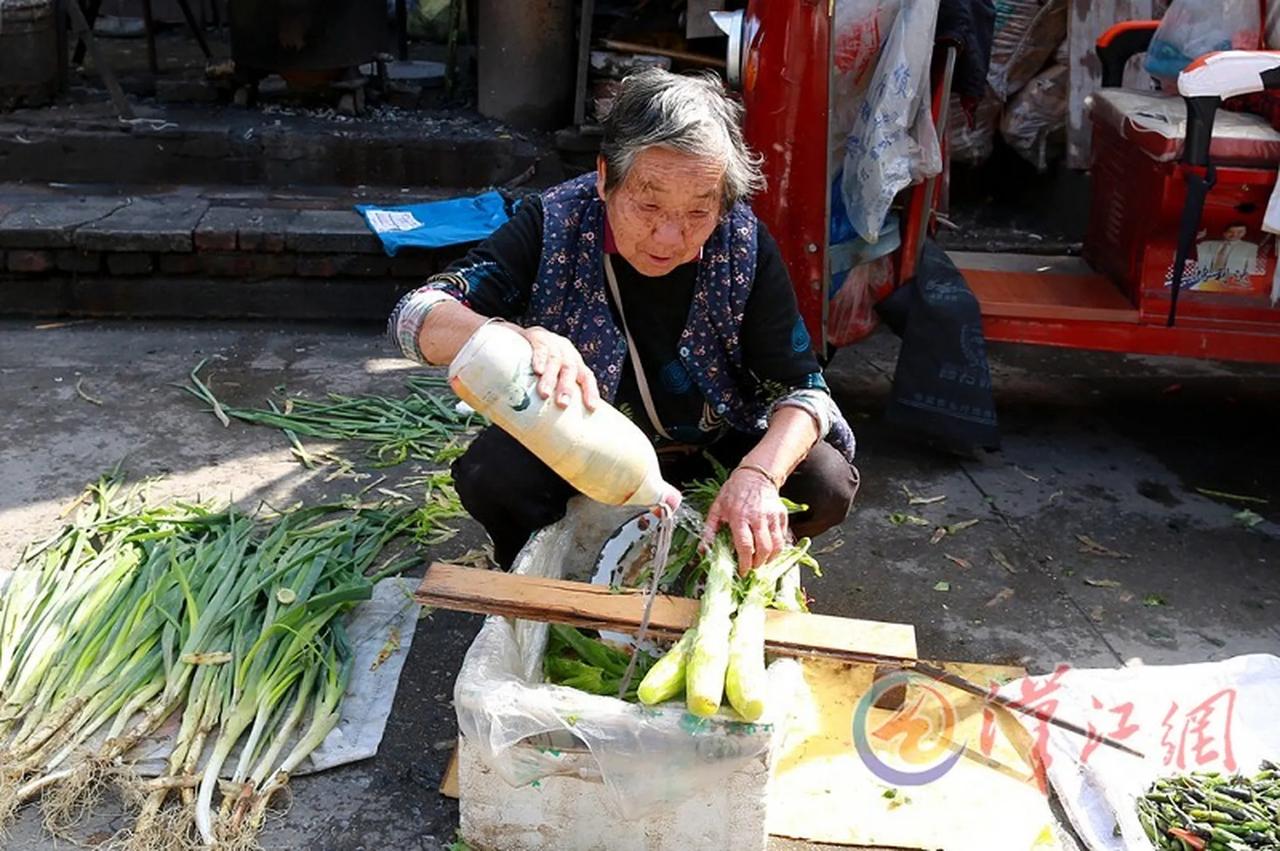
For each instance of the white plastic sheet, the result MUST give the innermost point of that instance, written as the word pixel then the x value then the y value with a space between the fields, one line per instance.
pixel 893 141
pixel 1208 716
pixel 647 756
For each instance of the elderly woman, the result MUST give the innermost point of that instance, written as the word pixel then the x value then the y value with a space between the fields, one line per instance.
pixel 651 284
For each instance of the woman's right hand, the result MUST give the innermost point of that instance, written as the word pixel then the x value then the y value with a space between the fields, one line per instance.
pixel 560 369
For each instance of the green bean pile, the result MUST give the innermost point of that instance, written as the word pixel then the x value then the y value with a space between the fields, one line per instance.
pixel 1209 811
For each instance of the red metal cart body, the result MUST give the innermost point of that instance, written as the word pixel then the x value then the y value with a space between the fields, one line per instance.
pixel 1114 299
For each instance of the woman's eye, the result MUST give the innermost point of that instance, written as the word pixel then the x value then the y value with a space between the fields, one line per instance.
pixel 699 214
pixel 649 208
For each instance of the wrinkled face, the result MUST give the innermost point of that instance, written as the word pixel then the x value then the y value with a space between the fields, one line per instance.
pixel 1235 233
pixel 665 209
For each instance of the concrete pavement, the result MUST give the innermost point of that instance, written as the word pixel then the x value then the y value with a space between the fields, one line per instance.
pixel 1097 448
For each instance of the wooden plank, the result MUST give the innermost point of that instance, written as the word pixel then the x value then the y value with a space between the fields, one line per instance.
pixel 1049 296
pixel 491 592
pixel 1088 20
pixel 449 782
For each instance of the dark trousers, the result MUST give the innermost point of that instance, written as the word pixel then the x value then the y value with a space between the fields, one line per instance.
pixel 513 494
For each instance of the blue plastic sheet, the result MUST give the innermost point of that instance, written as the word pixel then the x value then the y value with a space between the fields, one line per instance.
pixel 435 223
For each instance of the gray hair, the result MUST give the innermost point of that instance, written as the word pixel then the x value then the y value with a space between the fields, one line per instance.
pixel 689 114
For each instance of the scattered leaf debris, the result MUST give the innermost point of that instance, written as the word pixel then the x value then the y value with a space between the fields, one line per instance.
pixel 1091 547
pixel 1102 583
pixel 1003 560
pixel 1237 497
pixel 1000 596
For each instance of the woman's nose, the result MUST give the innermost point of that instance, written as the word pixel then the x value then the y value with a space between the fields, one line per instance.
pixel 668 233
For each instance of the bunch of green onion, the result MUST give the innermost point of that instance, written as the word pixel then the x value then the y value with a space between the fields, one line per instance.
pixel 132 614
pixel 424 425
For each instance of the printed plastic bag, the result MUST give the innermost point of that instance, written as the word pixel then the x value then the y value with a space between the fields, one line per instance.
pixel 893 141
pixel 1192 28
pixel 1201 716
pixel 647 756
pixel 858 34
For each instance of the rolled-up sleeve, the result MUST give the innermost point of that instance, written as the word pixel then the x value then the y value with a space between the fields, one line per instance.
pixel 494 279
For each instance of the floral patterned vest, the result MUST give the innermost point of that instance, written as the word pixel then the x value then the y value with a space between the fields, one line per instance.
pixel 570 298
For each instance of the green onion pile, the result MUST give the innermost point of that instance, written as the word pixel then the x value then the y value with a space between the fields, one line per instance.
pixel 1209 811
pixel 424 425
pixel 133 614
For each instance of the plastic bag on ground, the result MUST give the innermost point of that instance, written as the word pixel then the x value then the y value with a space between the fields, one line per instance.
pixel 1192 28
pixel 971 137
pixel 1035 121
pixel 1026 38
pixel 647 756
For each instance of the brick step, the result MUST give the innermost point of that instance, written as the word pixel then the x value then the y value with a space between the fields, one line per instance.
pixel 201 252
pixel 210 144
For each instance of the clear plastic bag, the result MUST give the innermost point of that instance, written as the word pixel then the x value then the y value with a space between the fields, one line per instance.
pixel 1035 121
pixel 647 756
pixel 1192 28
pixel 971 136
pixel 1030 35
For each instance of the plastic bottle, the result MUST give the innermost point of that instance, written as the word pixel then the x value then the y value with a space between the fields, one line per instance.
pixel 601 453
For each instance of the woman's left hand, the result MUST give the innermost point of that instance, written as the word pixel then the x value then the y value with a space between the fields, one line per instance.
pixel 751 507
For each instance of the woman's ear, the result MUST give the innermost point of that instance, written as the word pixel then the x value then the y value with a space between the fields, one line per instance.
pixel 601 172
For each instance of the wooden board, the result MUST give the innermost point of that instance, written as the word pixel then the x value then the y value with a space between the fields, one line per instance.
pixel 1050 288
pixel 492 592
pixel 822 791
pixel 449 782
pixel 1088 20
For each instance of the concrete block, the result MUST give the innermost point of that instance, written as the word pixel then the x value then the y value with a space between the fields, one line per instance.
pixel 333 265
pixel 217 229
pixel 574 811
pixel 331 231
pixel 130 263
pixel 29 261
pixel 264 230
pixel 179 264
pixel 145 224
pixel 51 224
pixel 73 260
pixel 242 264
pixel 225 264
